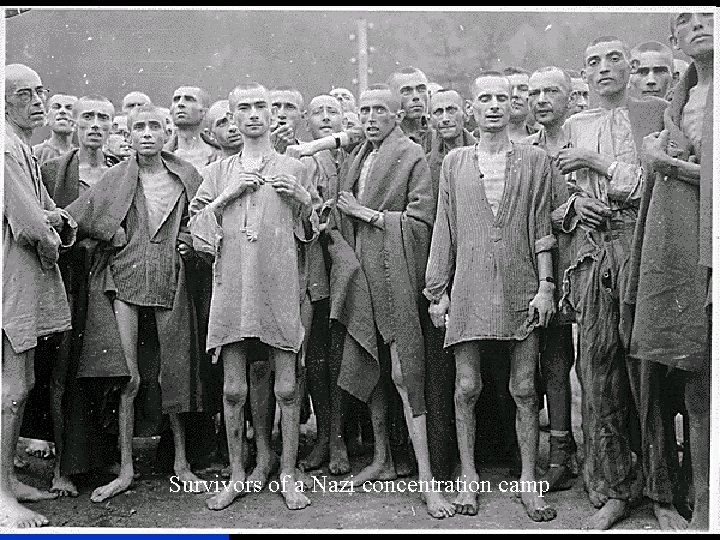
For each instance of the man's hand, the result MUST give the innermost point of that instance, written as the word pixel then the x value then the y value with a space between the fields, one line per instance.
pixel 572 159
pixel 349 205
pixel 238 184
pixel 48 250
pixel 543 305
pixel 592 212
pixel 281 135
pixel 55 219
pixel 287 185
pixel 438 311
pixel 297 151
pixel 654 152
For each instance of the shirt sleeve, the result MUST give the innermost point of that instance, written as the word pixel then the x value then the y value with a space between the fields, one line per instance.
pixel 544 239
pixel 307 228
pixel 441 262
pixel 206 232
pixel 26 216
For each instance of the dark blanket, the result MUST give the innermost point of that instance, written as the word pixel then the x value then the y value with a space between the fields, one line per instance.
pixel 382 288
pixel 101 211
pixel 667 285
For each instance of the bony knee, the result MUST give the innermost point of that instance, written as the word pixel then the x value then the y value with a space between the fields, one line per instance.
pixel 285 393
pixel 467 388
pixel 524 394
pixel 235 394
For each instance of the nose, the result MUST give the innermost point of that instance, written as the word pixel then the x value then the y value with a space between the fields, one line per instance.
pixel 696 21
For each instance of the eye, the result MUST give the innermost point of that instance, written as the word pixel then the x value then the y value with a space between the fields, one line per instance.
pixel 364 110
pixel 104 117
pixel 533 93
pixel 592 62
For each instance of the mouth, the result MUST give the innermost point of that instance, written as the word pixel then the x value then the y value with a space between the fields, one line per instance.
pixel 234 137
pixel 540 112
pixel 372 130
pixel 36 115
pixel 701 37
pixel 606 80
pixel 651 92
pixel 493 117
pixel 447 127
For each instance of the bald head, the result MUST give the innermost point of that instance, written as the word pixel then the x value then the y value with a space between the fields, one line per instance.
pixel 135 99
pixel 346 99
pixel 219 109
pixel 324 116
pixel 384 93
pixel 189 105
pixel 24 98
pixel 410 84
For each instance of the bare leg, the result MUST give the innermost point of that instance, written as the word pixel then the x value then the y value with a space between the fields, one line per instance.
pixel 382 467
pixel 522 388
pixel 697 401
pixel 288 397
pixel 181 465
pixel 260 396
pixel 235 392
pixel 468 385
pixel 126 316
pixel 436 504
pixel 18 379
pixel 61 484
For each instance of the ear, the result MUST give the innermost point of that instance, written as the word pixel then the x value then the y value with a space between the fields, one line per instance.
pixel 674 43
pixel 583 73
pixel 572 101
pixel 400 115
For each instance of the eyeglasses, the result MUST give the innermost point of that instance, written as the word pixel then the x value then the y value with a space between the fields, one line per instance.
pixel 25 95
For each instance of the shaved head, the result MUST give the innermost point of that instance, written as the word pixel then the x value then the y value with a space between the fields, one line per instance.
pixel 243 88
pixel 323 99
pixel 218 110
pixel 382 92
pixel 17 73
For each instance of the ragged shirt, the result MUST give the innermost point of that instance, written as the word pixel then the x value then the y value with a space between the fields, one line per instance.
pixel 258 280
pixel 34 299
pixel 490 261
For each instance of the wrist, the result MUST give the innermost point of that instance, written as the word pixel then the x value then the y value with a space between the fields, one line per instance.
pixel 546 286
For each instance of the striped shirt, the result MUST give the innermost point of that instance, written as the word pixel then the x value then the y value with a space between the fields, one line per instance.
pixel 489 261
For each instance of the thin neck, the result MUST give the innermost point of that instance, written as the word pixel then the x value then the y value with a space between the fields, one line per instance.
pixel 411 125
pixel 257 146
pixel 553 130
pixel 494 142
pixel 228 151
pixel 150 164
pixel 455 142
pixel 61 140
pixel 613 101
pixel 91 156
pixel 189 137
pixel 704 67
pixel 25 134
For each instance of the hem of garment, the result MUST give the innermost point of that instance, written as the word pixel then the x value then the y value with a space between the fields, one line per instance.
pixel 699 364
pixel 210 348
pixel 24 342
pixel 141 304
pixel 488 338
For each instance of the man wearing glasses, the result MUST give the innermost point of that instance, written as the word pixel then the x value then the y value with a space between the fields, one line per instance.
pixel 34 300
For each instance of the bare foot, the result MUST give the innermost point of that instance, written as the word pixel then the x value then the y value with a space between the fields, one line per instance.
pixel 339 462
pixel 221 500
pixel 117 486
pixel 114 469
pixel 292 491
pixel 20 463
pixel 668 518
pixel 316 458
pixel 375 471
pixel 536 508
pixel 465 502
pixel 15 516
pixel 63 486
pixel 25 493
pixel 597 499
pixel 262 471
pixel 613 511
pixel 193 483
pixel 40 449
pixel 436 505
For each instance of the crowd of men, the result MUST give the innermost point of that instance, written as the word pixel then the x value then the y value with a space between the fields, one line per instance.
pixel 167 268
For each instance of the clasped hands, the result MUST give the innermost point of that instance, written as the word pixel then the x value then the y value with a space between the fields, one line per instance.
pixel 350 206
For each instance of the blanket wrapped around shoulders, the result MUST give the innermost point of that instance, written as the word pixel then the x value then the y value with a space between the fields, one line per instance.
pixel 380 287
pixel 100 212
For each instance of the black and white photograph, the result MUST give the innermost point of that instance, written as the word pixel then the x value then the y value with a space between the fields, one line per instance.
pixel 358 268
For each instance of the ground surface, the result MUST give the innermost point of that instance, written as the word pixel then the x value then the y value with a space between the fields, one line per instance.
pixel 150 503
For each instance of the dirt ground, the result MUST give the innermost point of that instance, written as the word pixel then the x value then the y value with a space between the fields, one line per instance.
pixel 150 503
